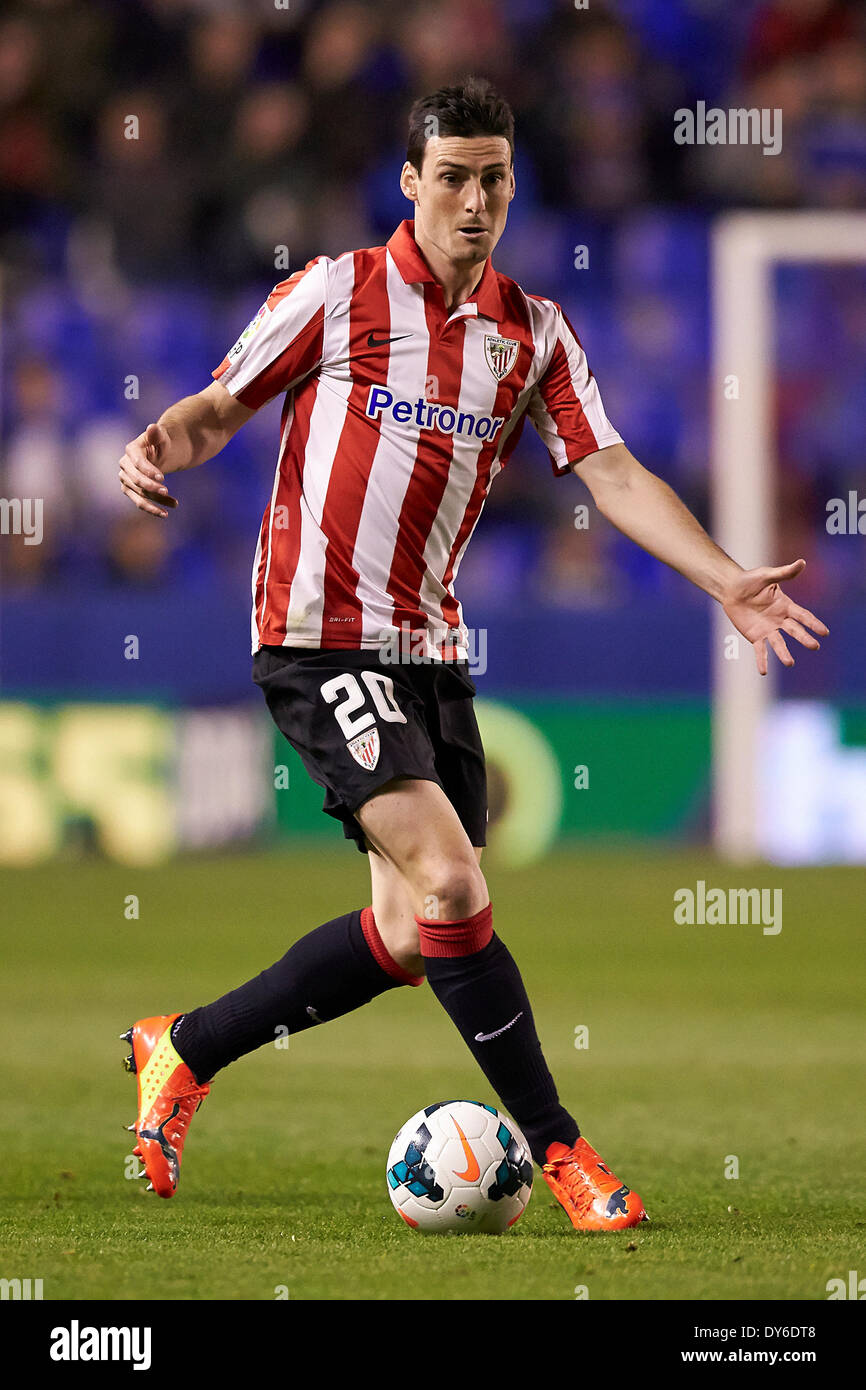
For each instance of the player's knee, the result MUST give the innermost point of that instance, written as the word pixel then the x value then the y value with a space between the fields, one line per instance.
pixel 451 890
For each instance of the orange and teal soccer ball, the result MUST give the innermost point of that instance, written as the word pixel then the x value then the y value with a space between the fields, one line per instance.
pixel 460 1165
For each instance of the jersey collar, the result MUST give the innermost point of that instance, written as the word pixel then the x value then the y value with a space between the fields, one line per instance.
pixel 411 264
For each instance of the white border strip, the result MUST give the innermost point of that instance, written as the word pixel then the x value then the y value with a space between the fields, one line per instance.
pixel 745 248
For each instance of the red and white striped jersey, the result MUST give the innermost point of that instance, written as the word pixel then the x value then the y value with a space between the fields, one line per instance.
pixel 397 418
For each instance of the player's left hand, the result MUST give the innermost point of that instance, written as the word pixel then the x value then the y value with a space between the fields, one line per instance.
pixel 761 612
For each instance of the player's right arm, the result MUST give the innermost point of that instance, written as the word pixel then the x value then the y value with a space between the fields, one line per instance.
pixel 190 432
pixel 281 346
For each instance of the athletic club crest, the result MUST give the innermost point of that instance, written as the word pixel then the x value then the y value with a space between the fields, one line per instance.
pixel 365 748
pixel 501 354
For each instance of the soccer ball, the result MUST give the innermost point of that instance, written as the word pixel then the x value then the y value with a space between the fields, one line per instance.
pixel 460 1166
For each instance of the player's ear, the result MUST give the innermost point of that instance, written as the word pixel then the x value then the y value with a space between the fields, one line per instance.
pixel 409 181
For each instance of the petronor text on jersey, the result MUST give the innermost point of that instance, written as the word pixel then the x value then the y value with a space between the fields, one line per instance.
pixel 429 415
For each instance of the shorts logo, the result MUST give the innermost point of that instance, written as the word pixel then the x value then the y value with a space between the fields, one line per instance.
pixel 501 354
pixel 365 748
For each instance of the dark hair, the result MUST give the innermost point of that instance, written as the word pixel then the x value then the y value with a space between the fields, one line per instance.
pixel 472 107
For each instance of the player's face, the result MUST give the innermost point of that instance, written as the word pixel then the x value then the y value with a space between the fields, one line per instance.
pixel 462 193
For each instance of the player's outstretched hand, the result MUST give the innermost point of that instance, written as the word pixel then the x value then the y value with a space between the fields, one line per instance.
pixel 141 475
pixel 761 612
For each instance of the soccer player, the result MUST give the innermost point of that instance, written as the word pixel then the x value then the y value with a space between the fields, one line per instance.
pixel 408 371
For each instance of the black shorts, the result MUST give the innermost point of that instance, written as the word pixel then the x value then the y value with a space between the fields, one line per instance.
pixel 357 722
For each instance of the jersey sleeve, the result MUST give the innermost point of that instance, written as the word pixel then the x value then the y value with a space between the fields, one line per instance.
pixel 284 342
pixel 565 406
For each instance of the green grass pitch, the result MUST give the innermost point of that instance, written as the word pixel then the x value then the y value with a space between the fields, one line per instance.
pixel 705 1042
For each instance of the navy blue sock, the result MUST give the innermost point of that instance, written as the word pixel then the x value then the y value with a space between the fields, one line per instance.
pixel 483 994
pixel 331 971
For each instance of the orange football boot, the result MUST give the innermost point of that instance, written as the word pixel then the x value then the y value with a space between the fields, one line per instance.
pixel 168 1097
pixel 592 1195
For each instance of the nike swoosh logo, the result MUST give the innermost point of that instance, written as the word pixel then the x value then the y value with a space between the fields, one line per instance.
pixel 473 1172
pixel 382 342
pixel 485 1037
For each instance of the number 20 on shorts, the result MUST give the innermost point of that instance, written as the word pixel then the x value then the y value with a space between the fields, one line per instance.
pixel 350 713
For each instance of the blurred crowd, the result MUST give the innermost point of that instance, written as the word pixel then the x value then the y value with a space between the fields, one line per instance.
pixel 156 156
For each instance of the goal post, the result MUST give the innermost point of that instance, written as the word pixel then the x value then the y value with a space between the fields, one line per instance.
pixel 746 248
